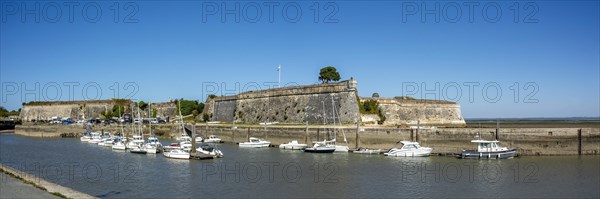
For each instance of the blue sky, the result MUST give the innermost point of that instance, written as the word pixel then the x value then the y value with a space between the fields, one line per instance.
pixel 545 59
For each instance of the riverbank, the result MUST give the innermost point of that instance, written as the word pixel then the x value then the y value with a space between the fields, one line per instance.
pixel 19 184
pixel 444 141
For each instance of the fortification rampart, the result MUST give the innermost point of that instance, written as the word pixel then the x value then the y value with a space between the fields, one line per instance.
pixel 298 104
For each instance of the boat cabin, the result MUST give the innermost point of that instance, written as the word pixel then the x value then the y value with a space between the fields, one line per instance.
pixel 488 146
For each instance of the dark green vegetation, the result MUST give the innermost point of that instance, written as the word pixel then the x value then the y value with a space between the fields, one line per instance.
pixel 6 113
pixel 189 107
pixel 329 74
pixel 371 107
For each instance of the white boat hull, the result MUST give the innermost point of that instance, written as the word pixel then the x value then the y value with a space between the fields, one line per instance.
pixel 293 146
pixel 212 141
pixel 409 153
pixel 177 155
pixel 340 148
pixel 119 147
pixel 254 145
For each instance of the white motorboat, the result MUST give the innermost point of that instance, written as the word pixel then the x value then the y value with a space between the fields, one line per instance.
pixel 199 139
pixel 321 147
pixel 213 139
pixel 255 143
pixel 95 139
pixel 205 152
pixel 293 145
pixel 183 137
pixel 153 145
pixel 139 150
pixel 489 150
pixel 107 142
pixel 135 142
pixel 409 149
pixel 176 154
pixel 86 137
pixel 118 144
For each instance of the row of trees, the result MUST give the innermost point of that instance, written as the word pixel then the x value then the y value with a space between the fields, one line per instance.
pixel 6 113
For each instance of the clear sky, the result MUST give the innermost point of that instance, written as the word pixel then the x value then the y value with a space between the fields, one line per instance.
pixel 496 58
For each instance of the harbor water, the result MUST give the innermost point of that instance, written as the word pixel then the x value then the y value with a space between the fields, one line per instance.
pixel 274 173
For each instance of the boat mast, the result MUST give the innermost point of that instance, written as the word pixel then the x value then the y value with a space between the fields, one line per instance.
pixel 324 119
pixel 121 125
pixel 333 118
pixel 181 118
pixel 149 122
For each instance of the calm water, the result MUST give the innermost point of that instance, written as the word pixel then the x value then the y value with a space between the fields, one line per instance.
pixel 271 172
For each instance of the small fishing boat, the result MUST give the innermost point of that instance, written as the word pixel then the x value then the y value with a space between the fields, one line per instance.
pixel 488 150
pixel 153 145
pixel 293 145
pixel 176 154
pixel 367 151
pixel 198 139
pixel 95 138
pixel 255 143
pixel 409 149
pixel 138 150
pixel 135 142
pixel 212 139
pixel 86 137
pixel 208 152
pixel 118 144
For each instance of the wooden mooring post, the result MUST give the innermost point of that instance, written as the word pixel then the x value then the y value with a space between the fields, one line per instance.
pixel 579 141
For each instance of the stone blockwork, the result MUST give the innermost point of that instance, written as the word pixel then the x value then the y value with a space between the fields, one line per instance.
pixel 89 109
pixel 74 110
pixel 166 110
pixel 404 111
pixel 292 105
pixel 313 104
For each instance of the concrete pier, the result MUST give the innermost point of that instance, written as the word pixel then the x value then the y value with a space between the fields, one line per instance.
pixel 39 188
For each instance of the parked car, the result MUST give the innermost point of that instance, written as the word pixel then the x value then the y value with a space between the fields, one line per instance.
pixel 94 121
pixel 127 118
pixel 161 121
pixel 136 121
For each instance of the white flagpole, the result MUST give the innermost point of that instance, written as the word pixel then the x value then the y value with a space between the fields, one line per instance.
pixel 279 76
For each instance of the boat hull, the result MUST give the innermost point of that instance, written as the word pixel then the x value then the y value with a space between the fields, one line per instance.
pixel 181 156
pixel 252 145
pixel 340 148
pixel 293 147
pixel 317 150
pixel 473 154
pixel 369 151
pixel 138 151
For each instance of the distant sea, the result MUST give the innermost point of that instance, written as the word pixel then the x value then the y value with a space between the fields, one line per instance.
pixel 537 119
